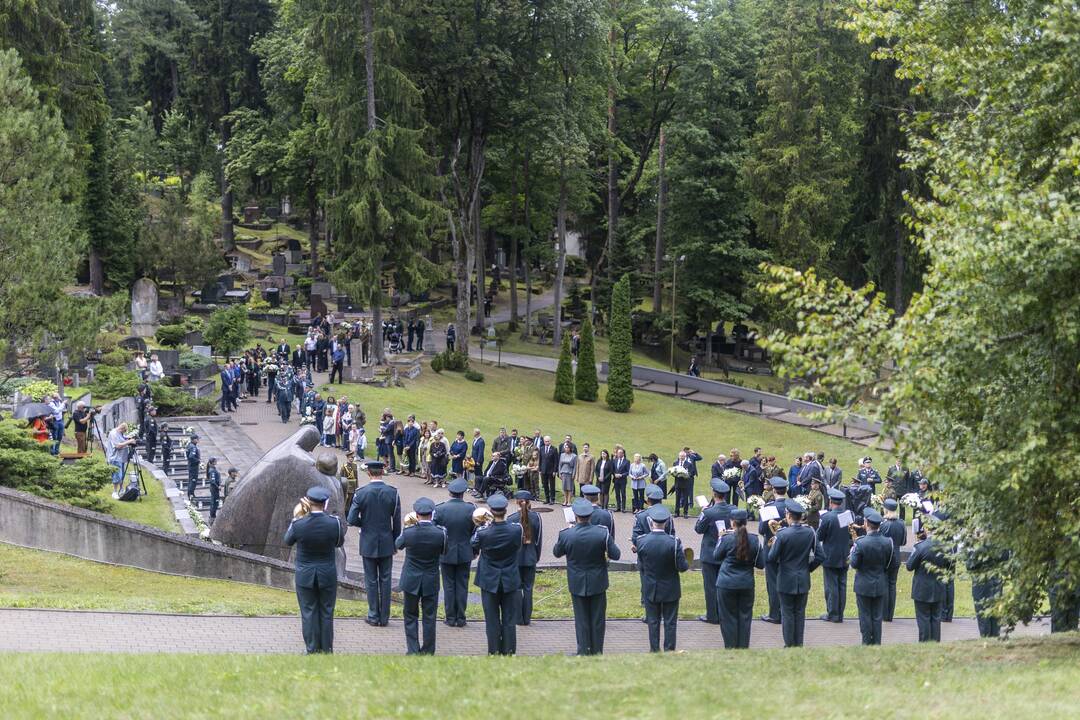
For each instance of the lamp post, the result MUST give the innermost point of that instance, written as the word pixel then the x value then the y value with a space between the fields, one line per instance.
pixel 674 275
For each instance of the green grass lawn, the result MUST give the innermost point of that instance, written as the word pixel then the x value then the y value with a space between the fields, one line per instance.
pixel 1031 677
pixel 522 399
pixel 32 578
pixel 152 509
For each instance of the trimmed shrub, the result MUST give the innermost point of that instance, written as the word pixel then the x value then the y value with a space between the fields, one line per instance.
pixel 586 384
pixel 437 363
pixel 453 361
pixel 564 374
pixel 620 392
pixel 473 375
pixel 192 360
pixel 117 358
pixel 38 390
pixel 27 465
pixel 171 335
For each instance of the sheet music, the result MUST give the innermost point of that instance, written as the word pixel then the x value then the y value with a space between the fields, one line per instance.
pixel 568 513
pixel 701 501
pixel 721 526
pixel 769 512
pixel 845 518
pixel 927 506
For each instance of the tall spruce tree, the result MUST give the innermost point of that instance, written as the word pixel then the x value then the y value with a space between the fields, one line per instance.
pixel 586 386
pixel 620 391
pixel 564 374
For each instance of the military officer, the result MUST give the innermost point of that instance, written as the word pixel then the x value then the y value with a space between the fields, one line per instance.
pixel 896 531
pixel 213 481
pixel 166 448
pixel 498 577
pixel 455 516
pixel 193 457
pixel 835 548
pixel 737 554
pixel 150 433
pixel 871 555
pixel 717 511
pixel 423 543
pixel 376 510
pixel 316 537
pixel 661 558
pixel 654 495
pixel 532 540
pixel 765 532
pixel 349 477
pixel 600 516
pixel 985 565
pixel 927 585
pixel 587 549
pixel 796 554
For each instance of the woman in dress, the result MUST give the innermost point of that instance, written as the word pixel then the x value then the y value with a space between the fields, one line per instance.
pixel 458 449
pixel 423 453
pixel 639 476
pixel 567 467
pixel 439 452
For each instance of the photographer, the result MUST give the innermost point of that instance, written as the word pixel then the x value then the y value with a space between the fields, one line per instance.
pixel 81 417
pixel 117 447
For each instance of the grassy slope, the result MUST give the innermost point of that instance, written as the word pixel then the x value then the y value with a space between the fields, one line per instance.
pixel 1031 678
pixel 153 509
pixel 31 578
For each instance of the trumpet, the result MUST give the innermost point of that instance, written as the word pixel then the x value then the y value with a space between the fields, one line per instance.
pixel 482 517
pixel 689 553
pixel 302 508
pixel 410 520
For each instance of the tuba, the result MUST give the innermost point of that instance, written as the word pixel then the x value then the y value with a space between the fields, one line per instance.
pixel 410 520
pixel 482 517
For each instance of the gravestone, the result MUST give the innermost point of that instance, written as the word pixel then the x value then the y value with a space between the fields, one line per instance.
pixel 279 264
pixel 322 289
pixel 203 350
pixel 318 307
pixel 293 244
pixel 226 281
pixel 211 294
pixel 272 212
pixel 252 214
pixel 429 336
pixel 144 308
pixel 272 295
pixel 134 343
pixel 237 296
pixel 170 359
pixel 286 205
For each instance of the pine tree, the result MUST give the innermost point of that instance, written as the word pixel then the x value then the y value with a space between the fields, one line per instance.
pixel 586 386
pixel 620 392
pixel 564 375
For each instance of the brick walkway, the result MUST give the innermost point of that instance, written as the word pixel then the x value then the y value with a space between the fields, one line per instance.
pixel 77 631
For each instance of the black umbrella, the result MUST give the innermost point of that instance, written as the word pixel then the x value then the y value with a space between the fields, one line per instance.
pixel 32 410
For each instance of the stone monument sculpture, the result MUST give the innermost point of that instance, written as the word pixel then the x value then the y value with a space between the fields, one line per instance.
pixel 144 308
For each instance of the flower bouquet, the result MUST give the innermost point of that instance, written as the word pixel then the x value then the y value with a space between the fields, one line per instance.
pixel 517 470
pixel 308 419
pixel 677 472
pixel 731 474
pixel 754 503
pixel 911 499
pixel 803 500
pixel 877 502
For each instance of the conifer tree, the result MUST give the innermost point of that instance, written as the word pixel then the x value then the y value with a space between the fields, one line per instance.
pixel 564 375
pixel 586 386
pixel 620 392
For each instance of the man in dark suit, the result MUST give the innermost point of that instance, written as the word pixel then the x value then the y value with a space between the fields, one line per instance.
pixel 587 549
pixel 832 475
pixel 455 516
pixel 298 357
pixel 896 531
pixel 795 553
pixel 497 575
pixel 410 441
pixel 376 510
pixel 600 516
pixel 871 556
pixel 532 541
pixel 317 536
pixel 835 548
pixel 549 465
pixel 717 511
pixel 476 452
pixel 226 378
pixel 684 486
pixel 423 543
pixel 765 532
pixel 661 558
pixel 811 470
pixel 927 585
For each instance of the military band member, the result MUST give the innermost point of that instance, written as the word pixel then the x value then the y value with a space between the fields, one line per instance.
pixel 166 448
pixel 213 481
pixel 497 575
pixel 896 530
pixel 455 516
pixel 532 540
pixel 796 554
pixel 928 564
pixel 765 532
pixel 661 558
pixel 600 516
pixel 376 510
pixel 718 510
pixel 736 554
pixel 872 555
pixel 985 565
pixel 587 549
pixel 423 543
pixel 835 548
pixel 654 495
pixel 193 457
pixel 150 433
pixel 316 536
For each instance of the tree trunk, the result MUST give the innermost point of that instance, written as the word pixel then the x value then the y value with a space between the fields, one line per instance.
pixel 661 201
pixel 527 241
pixel 97 273
pixel 481 264
pixel 461 273
pixel 313 220
pixel 228 237
pixel 376 316
pixel 515 224
pixel 612 174
pixel 369 76
pixel 560 264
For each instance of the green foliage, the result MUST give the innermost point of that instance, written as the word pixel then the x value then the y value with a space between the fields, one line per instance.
pixel 586 384
pixel 192 360
pixel 228 330
pixel 113 382
pixel 474 375
pixel 38 390
pixel 177 236
pixel 564 374
pixel 454 361
pixel 117 357
pixel 171 335
pixel 437 363
pixel 194 323
pixel 28 466
pixel 620 391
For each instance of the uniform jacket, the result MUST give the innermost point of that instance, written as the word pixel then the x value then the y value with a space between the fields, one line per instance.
pixel 642 527
pixel 764 531
pixel 423 543
pixel 587 549
pixel 706 528
pixel 529 555
pixel 497 545
pixel 376 510
pixel 872 555
pixel 896 531
pixel 835 541
pixel 455 516
pixel 796 554
pixel 735 574
pixel 603 517
pixel 927 585
pixel 193 455
pixel 316 537
pixel 661 559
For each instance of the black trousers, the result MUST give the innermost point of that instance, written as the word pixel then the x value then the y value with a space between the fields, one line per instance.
pixel 793 618
pixel 871 610
pixel 708 578
pixel 950 601
pixel 928 620
pixel 589 619
pixel 377 579
pixel 336 370
pixel 668 614
pixel 890 594
pixel 166 463
pixel 317 616
pixel 410 456
pixel 528 580
pixel 620 495
pixel 984 594
pixel 683 491
pixel 192 479
pixel 770 588
pixel 736 608
pixel 411 613
pixel 835 580
pixel 501 610
pixel 455 580
pixel 637 502
pixel 548 479
pixel 151 448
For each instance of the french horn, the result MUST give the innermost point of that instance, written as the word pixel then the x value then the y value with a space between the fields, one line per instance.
pixel 482 517
pixel 410 520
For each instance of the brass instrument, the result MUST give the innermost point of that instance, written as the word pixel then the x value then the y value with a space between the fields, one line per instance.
pixel 853 532
pixel 302 508
pixel 410 520
pixel 482 517
pixel 774 527
pixel 689 553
